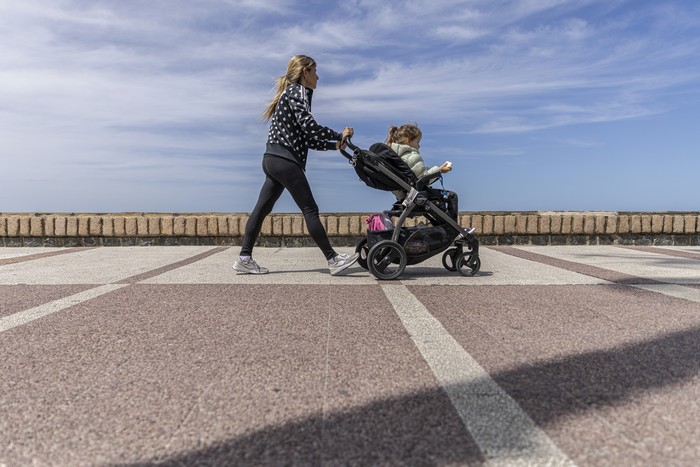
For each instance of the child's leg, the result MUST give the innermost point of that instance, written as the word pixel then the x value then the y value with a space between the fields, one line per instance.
pixel 452 204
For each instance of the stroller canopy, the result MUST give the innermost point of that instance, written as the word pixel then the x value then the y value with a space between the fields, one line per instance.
pixel 366 166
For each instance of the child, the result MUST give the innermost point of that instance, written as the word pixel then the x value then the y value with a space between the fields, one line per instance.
pixel 405 141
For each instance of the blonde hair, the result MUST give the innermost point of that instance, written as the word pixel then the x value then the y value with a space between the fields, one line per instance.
pixel 403 134
pixel 295 68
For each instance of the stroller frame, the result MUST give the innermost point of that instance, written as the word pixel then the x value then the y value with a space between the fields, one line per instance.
pixel 387 258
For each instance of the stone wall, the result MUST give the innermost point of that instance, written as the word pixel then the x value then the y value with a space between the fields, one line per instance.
pixel 345 229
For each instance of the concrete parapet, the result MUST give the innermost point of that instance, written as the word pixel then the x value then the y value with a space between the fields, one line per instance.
pixel 537 228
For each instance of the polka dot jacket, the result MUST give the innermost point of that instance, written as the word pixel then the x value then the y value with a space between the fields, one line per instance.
pixel 293 129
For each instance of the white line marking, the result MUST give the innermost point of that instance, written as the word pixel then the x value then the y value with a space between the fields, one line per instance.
pixel 26 316
pixel 505 434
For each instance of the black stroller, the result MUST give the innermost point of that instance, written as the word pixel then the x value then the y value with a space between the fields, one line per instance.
pixel 386 253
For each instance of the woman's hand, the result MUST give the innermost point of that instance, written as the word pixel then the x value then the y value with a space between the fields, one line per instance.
pixel 446 167
pixel 347 133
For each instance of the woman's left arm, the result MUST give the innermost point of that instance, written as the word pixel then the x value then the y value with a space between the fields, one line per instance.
pixel 322 145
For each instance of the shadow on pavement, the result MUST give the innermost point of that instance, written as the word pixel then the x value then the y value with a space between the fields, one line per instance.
pixel 420 429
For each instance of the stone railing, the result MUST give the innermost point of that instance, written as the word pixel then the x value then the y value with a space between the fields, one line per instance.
pixel 344 229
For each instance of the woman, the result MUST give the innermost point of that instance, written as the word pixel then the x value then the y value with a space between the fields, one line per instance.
pixel 293 131
pixel 405 141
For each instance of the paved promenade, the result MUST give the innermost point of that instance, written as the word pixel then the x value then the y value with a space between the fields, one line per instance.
pixel 555 355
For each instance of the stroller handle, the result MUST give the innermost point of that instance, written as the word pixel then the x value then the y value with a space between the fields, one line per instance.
pixel 348 141
pixel 354 148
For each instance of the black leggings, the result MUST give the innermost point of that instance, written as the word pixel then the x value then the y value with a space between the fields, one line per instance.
pixel 282 173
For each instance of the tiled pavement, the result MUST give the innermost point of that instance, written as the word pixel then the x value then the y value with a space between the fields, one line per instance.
pixel 583 356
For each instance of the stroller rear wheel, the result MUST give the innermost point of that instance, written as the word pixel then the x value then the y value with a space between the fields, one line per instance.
pixel 363 251
pixel 449 259
pixel 468 263
pixel 386 260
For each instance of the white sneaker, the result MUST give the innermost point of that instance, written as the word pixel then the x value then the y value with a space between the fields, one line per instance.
pixel 341 262
pixel 249 267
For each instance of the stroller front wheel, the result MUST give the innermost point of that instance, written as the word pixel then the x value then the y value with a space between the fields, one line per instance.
pixel 386 260
pixel 468 263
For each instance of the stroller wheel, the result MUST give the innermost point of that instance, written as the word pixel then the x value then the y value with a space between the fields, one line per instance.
pixel 386 260
pixel 468 264
pixel 363 250
pixel 449 259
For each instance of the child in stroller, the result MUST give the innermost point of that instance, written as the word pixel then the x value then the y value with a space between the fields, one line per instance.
pixel 386 253
pixel 405 141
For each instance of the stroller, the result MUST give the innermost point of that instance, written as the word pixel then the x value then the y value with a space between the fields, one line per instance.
pixel 386 253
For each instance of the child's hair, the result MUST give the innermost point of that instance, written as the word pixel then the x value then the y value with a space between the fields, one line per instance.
pixel 403 134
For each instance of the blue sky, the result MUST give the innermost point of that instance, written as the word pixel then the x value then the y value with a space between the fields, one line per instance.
pixel 126 105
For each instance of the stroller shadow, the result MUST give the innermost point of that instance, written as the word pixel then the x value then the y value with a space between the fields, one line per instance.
pixel 422 428
pixel 346 273
pixel 413 272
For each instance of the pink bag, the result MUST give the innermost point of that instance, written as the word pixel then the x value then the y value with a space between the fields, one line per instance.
pixel 378 222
